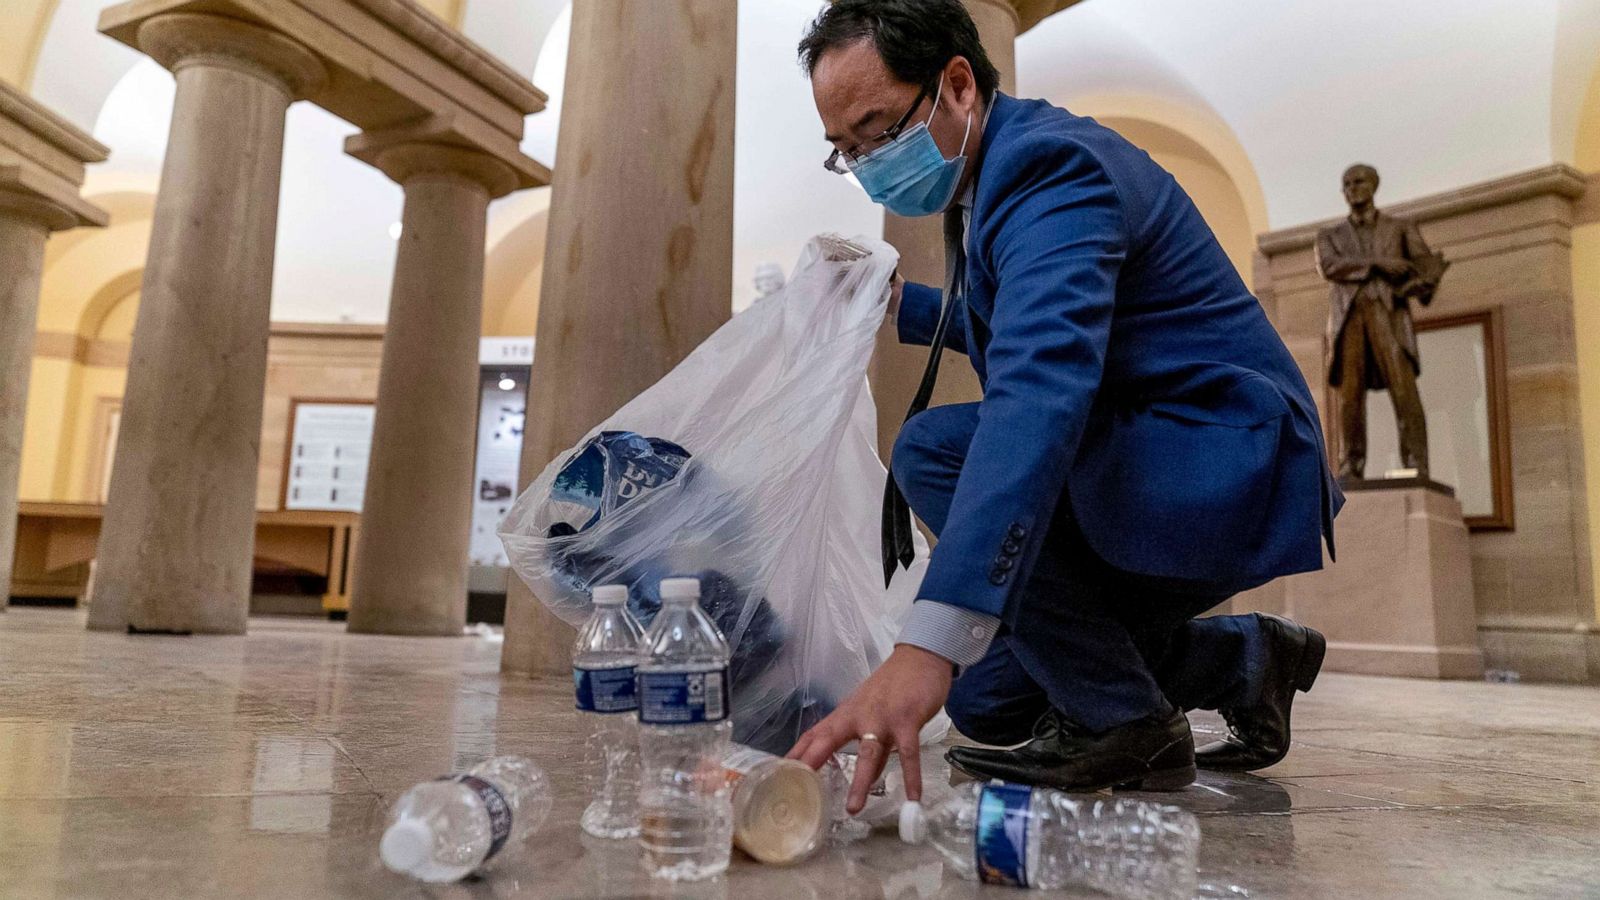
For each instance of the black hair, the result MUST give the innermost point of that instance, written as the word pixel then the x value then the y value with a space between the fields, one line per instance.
pixel 915 38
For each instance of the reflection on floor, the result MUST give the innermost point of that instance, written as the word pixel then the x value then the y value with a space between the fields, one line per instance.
pixel 144 766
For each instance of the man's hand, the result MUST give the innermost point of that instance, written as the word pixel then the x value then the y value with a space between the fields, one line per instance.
pixel 897 285
pixel 886 712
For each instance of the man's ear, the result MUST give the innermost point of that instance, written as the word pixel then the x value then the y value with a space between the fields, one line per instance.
pixel 962 84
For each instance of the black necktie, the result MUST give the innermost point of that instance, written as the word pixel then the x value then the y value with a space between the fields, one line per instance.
pixel 898 549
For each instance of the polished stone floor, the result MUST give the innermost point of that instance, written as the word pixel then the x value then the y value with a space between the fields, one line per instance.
pixel 145 766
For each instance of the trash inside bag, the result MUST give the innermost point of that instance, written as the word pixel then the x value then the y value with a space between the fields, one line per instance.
pixel 752 466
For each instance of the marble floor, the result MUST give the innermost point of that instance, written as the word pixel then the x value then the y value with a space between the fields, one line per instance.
pixel 147 766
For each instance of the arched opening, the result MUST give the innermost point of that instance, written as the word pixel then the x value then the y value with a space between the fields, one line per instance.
pixel 88 297
pixel 514 269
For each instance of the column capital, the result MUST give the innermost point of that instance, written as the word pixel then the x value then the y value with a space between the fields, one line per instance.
pixel 42 158
pixel 34 208
pixel 178 40
pixel 406 160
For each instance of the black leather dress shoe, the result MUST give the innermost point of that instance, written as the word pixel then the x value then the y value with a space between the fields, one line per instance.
pixel 1152 754
pixel 1259 733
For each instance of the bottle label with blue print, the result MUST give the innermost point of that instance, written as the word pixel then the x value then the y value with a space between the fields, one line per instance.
pixel 605 690
pixel 494 803
pixel 1002 834
pixel 683 698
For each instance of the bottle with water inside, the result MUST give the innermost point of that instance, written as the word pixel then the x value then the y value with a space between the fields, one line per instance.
pixel 1035 837
pixel 603 662
pixel 445 829
pixel 685 805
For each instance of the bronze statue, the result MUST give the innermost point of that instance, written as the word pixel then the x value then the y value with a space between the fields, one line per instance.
pixel 1377 265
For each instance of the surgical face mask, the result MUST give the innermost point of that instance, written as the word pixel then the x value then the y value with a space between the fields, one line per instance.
pixel 909 175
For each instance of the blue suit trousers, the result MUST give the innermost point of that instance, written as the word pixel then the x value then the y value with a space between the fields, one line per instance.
pixel 1102 646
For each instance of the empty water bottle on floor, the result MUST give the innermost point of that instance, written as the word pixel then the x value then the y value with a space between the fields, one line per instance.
pixel 1034 837
pixel 445 829
pixel 603 661
pixel 685 808
pixel 782 810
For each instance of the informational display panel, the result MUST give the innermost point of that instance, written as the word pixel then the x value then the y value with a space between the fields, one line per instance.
pixel 328 448
pixel 502 409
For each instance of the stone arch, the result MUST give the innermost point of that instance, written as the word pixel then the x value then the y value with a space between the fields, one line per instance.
pixel 514 268
pixel 82 272
pixel 108 314
pixel 88 293
pixel 123 206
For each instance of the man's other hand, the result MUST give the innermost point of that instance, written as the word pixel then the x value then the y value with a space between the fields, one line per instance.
pixel 885 713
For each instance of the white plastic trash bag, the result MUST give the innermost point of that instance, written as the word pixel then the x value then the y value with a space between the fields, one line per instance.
pixel 752 465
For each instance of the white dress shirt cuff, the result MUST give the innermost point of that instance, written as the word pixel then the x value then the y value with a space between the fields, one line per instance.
pixel 957 634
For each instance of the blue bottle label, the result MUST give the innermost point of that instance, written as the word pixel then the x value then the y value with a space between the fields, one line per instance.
pixel 494 803
pixel 1002 834
pixel 605 690
pixel 683 698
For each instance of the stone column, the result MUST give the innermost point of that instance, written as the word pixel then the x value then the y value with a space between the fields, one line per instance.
pixel 176 544
pixel 639 260
pixel 411 558
pixel 25 222
pixel 897 368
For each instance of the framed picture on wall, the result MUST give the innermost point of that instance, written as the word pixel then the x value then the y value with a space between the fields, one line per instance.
pixel 326 465
pixel 1463 388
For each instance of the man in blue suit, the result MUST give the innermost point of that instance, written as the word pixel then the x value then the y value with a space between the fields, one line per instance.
pixel 1145 447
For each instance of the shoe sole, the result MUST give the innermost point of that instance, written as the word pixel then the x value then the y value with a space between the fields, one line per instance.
pixel 1162 782
pixel 1167 780
pixel 1174 779
pixel 1316 650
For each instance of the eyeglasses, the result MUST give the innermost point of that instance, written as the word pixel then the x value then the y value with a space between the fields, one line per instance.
pixel 836 161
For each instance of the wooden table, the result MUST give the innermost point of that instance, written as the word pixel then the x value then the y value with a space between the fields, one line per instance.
pixel 57 541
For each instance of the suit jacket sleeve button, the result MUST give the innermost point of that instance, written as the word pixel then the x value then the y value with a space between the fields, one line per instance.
pixel 998 578
pixel 1018 532
pixel 1011 547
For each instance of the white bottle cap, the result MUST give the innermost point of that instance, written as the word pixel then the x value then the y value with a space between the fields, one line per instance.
pixel 913 823
pixel 407 845
pixel 680 589
pixel 610 595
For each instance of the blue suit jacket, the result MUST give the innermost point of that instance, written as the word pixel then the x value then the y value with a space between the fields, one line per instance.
pixel 1123 362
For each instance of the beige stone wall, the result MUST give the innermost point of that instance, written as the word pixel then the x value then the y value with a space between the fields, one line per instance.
pixel 311 363
pixel 76 382
pixel 1510 244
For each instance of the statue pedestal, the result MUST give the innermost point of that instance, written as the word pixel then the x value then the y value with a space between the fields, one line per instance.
pixel 1399 601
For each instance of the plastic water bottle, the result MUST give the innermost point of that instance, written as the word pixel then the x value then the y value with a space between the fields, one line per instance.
pixel 445 829
pixel 1034 837
pixel 782 810
pixel 603 662
pixel 685 809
